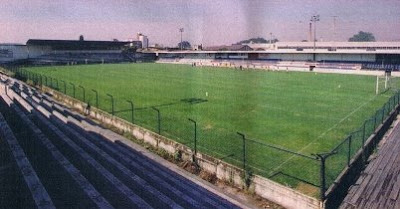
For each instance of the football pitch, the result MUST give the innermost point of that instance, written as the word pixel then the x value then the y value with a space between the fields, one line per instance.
pixel 303 112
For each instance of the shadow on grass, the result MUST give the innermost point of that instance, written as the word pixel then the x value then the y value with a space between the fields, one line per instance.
pixel 190 101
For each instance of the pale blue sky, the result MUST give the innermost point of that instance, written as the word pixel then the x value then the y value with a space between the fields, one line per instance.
pixel 210 22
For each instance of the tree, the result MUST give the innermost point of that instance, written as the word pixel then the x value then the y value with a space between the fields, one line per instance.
pixel 185 45
pixel 274 40
pixel 81 38
pixel 257 40
pixel 362 37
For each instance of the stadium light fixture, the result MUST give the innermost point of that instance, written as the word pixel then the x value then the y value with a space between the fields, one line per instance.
pixel 315 19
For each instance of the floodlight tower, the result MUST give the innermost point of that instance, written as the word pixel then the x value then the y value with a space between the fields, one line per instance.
pixel 271 38
pixel 334 28
pixel 334 32
pixel 315 19
pixel 181 31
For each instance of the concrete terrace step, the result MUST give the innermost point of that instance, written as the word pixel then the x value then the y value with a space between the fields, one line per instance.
pixel 97 162
pixel 153 177
pixel 146 167
pixel 193 189
pixel 378 186
pixel 118 194
pixel 137 184
pixel 65 193
pixel 38 192
pixel 89 191
pixel 174 191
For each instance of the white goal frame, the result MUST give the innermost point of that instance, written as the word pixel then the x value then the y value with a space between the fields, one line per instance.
pixel 379 82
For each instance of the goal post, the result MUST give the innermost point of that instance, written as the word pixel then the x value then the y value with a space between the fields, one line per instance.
pixel 382 83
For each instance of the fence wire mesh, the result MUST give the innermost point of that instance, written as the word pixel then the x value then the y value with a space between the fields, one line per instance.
pixel 290 168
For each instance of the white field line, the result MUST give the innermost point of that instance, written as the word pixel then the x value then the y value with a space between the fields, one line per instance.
pixel 323 134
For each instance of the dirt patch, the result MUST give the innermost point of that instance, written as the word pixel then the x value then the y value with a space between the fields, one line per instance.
pixel 191 167
pixel 308 189
pixel 208 127
pixel 212 178
pixel 247 197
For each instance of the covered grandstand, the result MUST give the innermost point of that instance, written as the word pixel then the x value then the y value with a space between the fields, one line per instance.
pixel 43 52
pixel 81 51
pixel 337 55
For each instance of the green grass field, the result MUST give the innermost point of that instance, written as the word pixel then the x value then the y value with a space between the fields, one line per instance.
pixel 304 112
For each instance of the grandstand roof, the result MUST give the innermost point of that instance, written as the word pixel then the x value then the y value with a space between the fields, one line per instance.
pixel 78 44
pixel 236 47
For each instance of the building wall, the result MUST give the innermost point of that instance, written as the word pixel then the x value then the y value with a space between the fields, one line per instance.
pixel 144 40
pixel 287 57
pixel 278 56
pixel 346 57
pixel 37 51
pixel 10 53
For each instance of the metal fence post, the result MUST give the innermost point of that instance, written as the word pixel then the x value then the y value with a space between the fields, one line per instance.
pixel 132 111
pixel 244 150
pixel 349 153
pixel 56 83
pixel 97 98
pixel 84 93
pixel 73 89
pixel 363 135
pixel 322 172
pixel 394 101
pixel 65 86
pixel 398 97
pixel 363 143
pixel 112 103
pixel 159 119
pixel 195 138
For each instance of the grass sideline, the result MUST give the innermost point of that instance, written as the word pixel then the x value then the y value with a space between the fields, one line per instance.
pixel 303 112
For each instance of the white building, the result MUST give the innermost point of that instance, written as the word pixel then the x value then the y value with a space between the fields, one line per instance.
pixel 14 52
pixel 142 38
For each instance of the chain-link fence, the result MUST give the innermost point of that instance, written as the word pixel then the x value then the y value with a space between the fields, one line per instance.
pixel 313 173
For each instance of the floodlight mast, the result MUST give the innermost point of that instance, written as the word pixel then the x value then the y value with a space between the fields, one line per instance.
pixel 315 19
pixel 271 38
pixel 334 32
pixel 181 31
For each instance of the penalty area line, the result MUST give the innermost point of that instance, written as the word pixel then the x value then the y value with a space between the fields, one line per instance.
pixel 324 133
